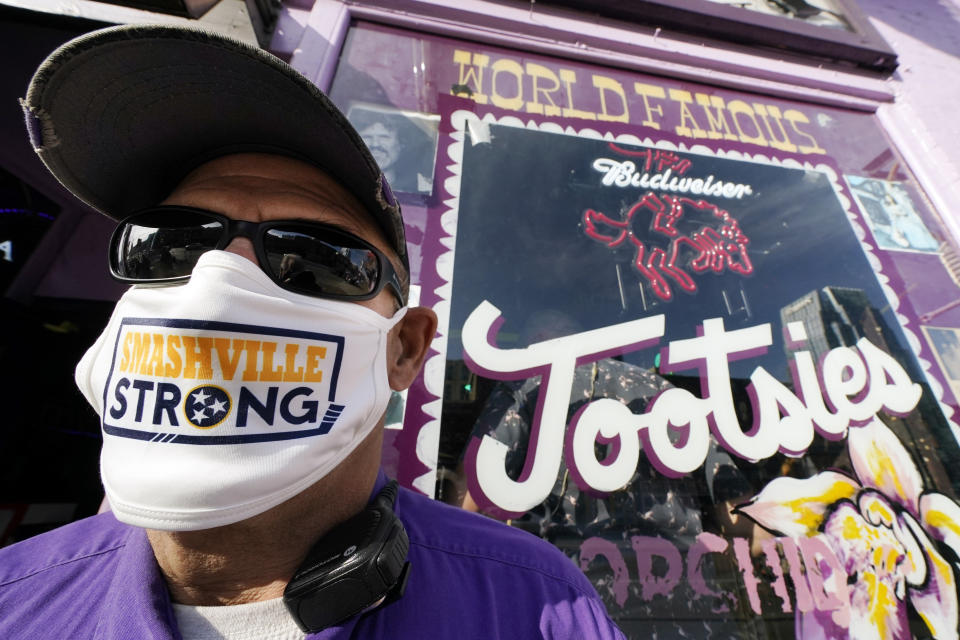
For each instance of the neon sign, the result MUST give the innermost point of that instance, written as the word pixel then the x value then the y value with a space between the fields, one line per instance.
pixel 709 248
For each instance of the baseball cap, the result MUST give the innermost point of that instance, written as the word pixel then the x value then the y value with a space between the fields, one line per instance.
pixel 120 115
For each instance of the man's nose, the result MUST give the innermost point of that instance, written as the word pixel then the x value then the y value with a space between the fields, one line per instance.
pixel 242 247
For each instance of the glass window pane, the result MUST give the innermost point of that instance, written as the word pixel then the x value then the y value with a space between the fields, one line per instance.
pixel 681 325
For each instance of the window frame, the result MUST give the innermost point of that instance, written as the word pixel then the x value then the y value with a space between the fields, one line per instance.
pixel 864 47
pixel 314 44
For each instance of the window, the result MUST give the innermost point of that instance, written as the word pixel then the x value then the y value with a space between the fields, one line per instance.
pixel 676 339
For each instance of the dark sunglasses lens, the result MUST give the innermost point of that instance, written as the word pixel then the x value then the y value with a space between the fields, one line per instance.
pixel 163 244
pixel 333 265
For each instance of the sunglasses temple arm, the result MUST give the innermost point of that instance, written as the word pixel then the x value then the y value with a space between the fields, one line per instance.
pixel 394 283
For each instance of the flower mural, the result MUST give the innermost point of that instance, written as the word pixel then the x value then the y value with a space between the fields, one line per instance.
pixel 885 530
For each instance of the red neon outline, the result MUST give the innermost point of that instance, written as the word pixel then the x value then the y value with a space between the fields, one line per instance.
pixel 714 249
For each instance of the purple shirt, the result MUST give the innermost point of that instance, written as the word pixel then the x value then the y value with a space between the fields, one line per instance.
pixel 470 577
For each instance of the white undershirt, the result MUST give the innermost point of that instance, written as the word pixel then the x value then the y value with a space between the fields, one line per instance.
pixel 266 620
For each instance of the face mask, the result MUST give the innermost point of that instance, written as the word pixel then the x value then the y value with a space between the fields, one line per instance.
pixel 225 396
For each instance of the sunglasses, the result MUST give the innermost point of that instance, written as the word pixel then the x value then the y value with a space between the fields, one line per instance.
pixel 162 245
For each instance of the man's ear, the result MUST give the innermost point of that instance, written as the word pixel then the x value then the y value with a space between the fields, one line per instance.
pixel 408 344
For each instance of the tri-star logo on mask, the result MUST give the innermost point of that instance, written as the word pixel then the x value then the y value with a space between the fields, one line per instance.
pixel 207 406
pixel 208 382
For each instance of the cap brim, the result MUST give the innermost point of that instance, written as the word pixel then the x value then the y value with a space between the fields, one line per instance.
pixel 119 115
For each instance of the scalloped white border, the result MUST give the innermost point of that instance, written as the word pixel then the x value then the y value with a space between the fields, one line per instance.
pixel 428 439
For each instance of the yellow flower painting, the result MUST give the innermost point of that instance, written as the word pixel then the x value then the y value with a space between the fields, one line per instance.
pixel 889 533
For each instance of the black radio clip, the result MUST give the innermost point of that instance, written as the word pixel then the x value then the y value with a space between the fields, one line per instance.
pixel 358 565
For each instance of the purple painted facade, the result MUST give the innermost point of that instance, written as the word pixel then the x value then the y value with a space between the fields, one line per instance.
pixel 880 244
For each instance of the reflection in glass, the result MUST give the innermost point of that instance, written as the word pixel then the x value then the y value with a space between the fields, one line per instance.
pixel 308 262
pixel 168 248
pixel 823 13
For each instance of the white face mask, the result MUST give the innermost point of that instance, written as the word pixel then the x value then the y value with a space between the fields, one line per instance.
pixel 225 396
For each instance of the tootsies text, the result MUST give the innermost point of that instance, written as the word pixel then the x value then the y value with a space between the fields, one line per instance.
pixel 848 388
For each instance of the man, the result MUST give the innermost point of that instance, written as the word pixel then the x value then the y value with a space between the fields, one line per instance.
pixel 242 411
pixel 385 148
pixel 402 151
